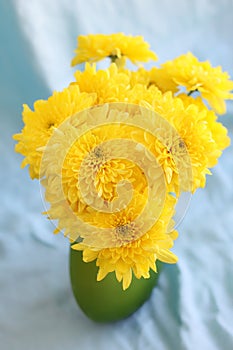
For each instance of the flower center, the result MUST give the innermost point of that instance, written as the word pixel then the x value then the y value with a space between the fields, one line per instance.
pixel 123 229
pixel 96 158
pixel 98 152
pixel 50 125
pixel 126 233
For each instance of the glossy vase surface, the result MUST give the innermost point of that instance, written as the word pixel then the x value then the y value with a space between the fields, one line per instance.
pixel 106 301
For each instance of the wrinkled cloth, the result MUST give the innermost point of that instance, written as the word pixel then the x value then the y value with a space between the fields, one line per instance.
pixel 192 306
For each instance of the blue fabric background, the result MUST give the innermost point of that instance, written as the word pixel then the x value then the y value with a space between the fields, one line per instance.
pixel 192 307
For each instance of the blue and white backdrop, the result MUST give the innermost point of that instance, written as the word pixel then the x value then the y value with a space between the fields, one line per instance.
pixel 192 307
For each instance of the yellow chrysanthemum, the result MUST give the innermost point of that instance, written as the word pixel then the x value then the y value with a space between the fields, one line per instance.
pixel 110 84
pixel 204 138
pixel 90 152
pixel 155 76
pixel 202 135
pixel 113 85
pixel 161 79
pixel 40 123
pixel 113 173
pixel 80 167
pixel 118 47
pixel 139 256
pixel 218 131
pixel 141 231
pixel 214 85
pixel 167 106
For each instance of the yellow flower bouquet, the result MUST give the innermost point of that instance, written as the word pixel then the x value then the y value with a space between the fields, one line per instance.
pixel 115 151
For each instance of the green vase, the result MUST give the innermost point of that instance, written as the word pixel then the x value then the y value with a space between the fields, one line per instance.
pixel 106 301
